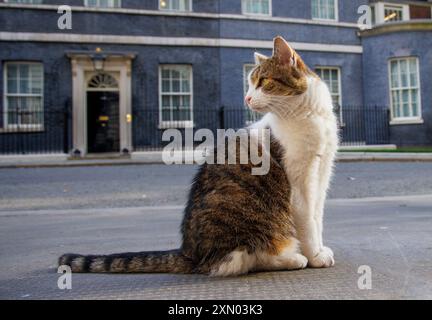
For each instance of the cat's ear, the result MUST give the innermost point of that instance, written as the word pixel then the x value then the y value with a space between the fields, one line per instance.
pixel 259 58
pixel 283 51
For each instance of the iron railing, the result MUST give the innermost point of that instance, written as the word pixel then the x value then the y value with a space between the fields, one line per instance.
pixel 36 132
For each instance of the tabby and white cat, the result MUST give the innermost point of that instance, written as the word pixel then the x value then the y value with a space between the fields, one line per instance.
pixel 235 222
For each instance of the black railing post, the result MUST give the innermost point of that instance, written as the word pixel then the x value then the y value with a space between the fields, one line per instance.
pixel 66 126
pixel 66 131
pixel 222 117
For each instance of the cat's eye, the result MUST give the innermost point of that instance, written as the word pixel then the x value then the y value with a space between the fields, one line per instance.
pixel 260 82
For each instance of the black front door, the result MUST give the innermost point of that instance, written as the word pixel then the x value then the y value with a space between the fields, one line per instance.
pixel 103 127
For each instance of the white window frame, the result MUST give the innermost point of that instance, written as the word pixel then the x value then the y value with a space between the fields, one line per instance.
pixel 178 10
pixel 244 6
pixel 255 115
pixel 339 93
pixel 26 127
pixel 165 124
pixel 379 8
pixel 405 120
pixel 336 8
pixel 111 4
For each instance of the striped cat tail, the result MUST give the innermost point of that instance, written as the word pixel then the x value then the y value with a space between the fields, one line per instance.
pixel 171 261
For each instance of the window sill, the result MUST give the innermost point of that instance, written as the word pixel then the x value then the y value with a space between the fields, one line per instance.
pixel 22 129
pixel 175 10
pixel 246 14
pixel 325 20
pixel 176 125
pixel 406 121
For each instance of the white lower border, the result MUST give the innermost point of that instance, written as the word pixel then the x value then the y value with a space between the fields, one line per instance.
pixel 172 41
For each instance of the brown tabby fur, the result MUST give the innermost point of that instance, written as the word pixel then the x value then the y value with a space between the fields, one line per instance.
pixel 228 209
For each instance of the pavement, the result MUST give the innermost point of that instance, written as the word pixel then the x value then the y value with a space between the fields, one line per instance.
pixel 379 216
pixel 155 157
pixel 390 235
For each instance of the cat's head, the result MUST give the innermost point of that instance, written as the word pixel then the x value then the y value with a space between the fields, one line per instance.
pixel 277 78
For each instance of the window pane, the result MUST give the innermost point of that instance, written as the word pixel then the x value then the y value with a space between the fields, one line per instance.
pixel 324 9
pixel 175 102
pixel 175 74
pixel 265 7
pixel 24 85
pixel 103 3
pixel 182 115
pixel 395 103
pixel 23 70
pixel 256 6
pixel 12 86
pixel 413 72
pixel 175 4
pixel 394 74
pixel 405 103
pixel 175 86
pixel 186 5
pixel 12 110
pixel 166 86
pixel 331 10
pixel 315 9
pixel 166 101
pixel 166 114
pixel 36 79
pixel 12 71
pixel 184 73
pixel 326 75
pixel 404 73
pixel 31 113
pixel 392 13
pixel 334 87
pixel 414 102
pixel 13 104
pixel 185 102
pixel 185 86
pixel 165 74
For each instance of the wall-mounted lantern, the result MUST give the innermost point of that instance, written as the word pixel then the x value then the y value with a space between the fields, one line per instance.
pixel 98 60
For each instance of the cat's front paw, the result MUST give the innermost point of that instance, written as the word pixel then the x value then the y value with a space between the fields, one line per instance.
pixel 323 259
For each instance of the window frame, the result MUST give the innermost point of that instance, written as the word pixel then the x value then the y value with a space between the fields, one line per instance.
pixel 25 127
pixel 269 14
pixel 165 124
pixel 405 120
pixel 339 80
pixel 336 9
pixel 395 7
pixel 86 4
pixel 379 8
pixel 175 10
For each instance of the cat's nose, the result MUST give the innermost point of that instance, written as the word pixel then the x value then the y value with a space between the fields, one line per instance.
pixel 248 99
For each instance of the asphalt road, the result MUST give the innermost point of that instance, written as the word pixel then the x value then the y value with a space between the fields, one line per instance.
pixel 150 185
pixel 50 211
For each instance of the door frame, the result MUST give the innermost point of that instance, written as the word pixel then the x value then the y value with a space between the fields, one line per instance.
pixel 118 65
